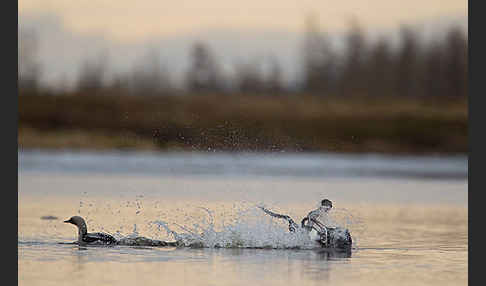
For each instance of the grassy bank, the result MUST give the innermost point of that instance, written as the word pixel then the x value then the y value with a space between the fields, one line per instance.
pixel 245 123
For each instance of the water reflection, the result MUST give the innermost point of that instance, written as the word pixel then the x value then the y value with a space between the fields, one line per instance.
pixel 330 254
pixel 79 259
pixel 320 264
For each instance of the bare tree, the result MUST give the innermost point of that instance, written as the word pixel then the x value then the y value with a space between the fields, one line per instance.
pixel 249 78
pixel 28 66
pixel 379 68
pixel 407 61
pixel 353 79
pixel 149 76
pixel 456 57
pixel 204 74
pixel 92 74
pixel 434 70
pixel 319 59
pixel 274 83
pixel 121 83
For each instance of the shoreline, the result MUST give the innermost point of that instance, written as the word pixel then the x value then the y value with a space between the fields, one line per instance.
pixel 78 141
pixel 356 125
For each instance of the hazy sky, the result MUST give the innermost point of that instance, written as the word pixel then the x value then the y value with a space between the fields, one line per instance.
pixel 129 19
pixel 69 31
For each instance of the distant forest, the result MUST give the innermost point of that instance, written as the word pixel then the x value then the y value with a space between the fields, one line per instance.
pixel 413 68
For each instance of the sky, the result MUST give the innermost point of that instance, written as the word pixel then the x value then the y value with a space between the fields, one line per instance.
pixel 129 20
pixel 70 31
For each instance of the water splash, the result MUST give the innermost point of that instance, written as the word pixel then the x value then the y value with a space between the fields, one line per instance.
pixel 250 228
pixel 240 224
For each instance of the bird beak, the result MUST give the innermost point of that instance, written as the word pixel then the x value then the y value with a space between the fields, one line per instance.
pixel 68 221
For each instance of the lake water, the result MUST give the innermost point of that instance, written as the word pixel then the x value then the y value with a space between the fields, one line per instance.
pixel 408 217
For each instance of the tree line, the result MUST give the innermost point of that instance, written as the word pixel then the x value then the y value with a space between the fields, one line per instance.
pixel 414 68
pixel 362 67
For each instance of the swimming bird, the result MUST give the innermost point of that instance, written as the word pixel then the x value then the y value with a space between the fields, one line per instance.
pixel 84 237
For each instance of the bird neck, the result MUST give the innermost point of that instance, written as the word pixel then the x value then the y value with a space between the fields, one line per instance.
pixel 82 231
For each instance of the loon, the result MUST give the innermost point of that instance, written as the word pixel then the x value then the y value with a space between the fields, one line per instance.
pixel 327 237
pixel 85 238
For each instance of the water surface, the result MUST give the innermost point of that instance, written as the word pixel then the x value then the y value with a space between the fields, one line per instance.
pixel 407 216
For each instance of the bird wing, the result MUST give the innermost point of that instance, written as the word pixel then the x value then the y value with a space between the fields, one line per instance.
pixel 292 224
pixel 99 236
pixel 274 214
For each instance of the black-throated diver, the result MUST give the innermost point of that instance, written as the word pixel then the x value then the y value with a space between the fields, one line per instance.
pixel 327 237
pixel 85 238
